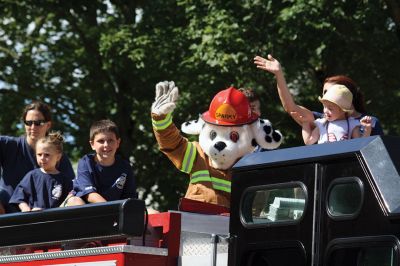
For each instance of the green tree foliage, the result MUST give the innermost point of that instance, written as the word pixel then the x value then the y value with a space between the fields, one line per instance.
pixel 101 59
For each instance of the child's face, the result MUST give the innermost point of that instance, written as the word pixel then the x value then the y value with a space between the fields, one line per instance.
pixel 333 112
pixel 255 107
pixel 105 144
pixel 47 157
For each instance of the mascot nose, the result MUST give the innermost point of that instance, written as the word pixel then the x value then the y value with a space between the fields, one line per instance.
pixel 220 145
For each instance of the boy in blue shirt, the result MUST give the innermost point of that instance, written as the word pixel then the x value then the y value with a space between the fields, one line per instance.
pixel 44 187
pixel 103 176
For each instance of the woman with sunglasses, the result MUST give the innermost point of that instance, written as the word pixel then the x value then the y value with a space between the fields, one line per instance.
pixel 301 114
pixel 17 154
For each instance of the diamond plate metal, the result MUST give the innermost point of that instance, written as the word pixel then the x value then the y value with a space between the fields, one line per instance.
pixel 198 244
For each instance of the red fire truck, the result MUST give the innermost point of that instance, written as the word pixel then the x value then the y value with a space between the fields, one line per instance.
pixel 328 204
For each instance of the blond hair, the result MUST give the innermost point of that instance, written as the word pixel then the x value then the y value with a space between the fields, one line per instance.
pixel 55 138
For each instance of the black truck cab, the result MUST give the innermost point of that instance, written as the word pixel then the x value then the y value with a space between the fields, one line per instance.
pixel 327 204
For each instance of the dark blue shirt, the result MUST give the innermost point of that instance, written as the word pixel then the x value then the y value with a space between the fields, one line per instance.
pixel 113 182
pixel 16 159
pixel 42 190
pixel 376 125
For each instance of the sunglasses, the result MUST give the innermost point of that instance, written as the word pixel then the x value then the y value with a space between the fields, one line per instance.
pixel 35 122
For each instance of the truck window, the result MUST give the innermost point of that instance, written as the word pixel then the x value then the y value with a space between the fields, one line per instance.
pixel 279 203
pixel 363 256
pixel 345 198
pixel 275 257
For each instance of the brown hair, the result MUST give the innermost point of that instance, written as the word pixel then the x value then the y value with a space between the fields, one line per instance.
pixel 358 96
pixel 54 138
pixel 102 126
pixel 39 106
pixel 250 94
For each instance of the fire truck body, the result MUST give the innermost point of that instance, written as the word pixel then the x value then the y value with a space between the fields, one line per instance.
pixel 328 204
pixel 61 237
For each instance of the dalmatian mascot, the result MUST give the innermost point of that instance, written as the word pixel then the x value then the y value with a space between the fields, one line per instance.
pixel 227 131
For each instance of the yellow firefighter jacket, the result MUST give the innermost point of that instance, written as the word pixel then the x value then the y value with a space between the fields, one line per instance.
pixel 206 184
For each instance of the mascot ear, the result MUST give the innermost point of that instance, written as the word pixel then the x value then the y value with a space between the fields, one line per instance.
pixel 265 135
pixel 193 127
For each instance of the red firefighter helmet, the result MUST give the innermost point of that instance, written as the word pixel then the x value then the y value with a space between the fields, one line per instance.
pixel 229 107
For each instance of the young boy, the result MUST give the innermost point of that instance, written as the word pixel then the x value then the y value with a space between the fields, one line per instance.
pixel 337 123
pixel 103 176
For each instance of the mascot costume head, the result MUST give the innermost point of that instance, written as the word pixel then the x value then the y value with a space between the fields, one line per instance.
pixel 227 131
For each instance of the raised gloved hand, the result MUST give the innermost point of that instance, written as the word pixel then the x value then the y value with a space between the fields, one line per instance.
pixel 166 97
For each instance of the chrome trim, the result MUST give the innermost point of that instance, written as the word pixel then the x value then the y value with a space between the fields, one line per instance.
pixel 84 252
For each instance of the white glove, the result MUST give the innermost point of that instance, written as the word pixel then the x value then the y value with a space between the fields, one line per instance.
pixel 166 97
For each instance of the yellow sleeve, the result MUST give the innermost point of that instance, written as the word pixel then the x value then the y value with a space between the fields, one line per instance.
pixel 178 149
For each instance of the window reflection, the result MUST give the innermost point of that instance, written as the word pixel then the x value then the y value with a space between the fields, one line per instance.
pixel 363 256
pixel 345 197
pixel 285 202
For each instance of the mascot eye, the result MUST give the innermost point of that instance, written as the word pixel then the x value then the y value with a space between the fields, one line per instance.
pixel 234 136
pixel 213 134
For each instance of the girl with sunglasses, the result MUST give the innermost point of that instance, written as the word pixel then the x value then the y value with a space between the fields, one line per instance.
pixel 17 154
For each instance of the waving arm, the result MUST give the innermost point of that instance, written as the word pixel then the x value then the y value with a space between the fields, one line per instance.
pixel 273 66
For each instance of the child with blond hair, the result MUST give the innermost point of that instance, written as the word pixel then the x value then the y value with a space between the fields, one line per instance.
pixel 44 187
pixel 300 113
pixel 337 123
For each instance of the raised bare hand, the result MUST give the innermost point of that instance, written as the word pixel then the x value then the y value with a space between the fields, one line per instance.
pixel 269 64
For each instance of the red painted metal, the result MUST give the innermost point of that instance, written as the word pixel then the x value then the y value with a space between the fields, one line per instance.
pixel 164 231
pixel 169 224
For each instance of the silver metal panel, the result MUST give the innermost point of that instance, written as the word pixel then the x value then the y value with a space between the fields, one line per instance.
pixel 201 223
pixel 198 244
pixel 197 234
pixel 384 174
pixel 84 252
pixel 222 260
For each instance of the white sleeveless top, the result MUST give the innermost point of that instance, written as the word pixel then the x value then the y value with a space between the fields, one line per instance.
pixel 335 130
